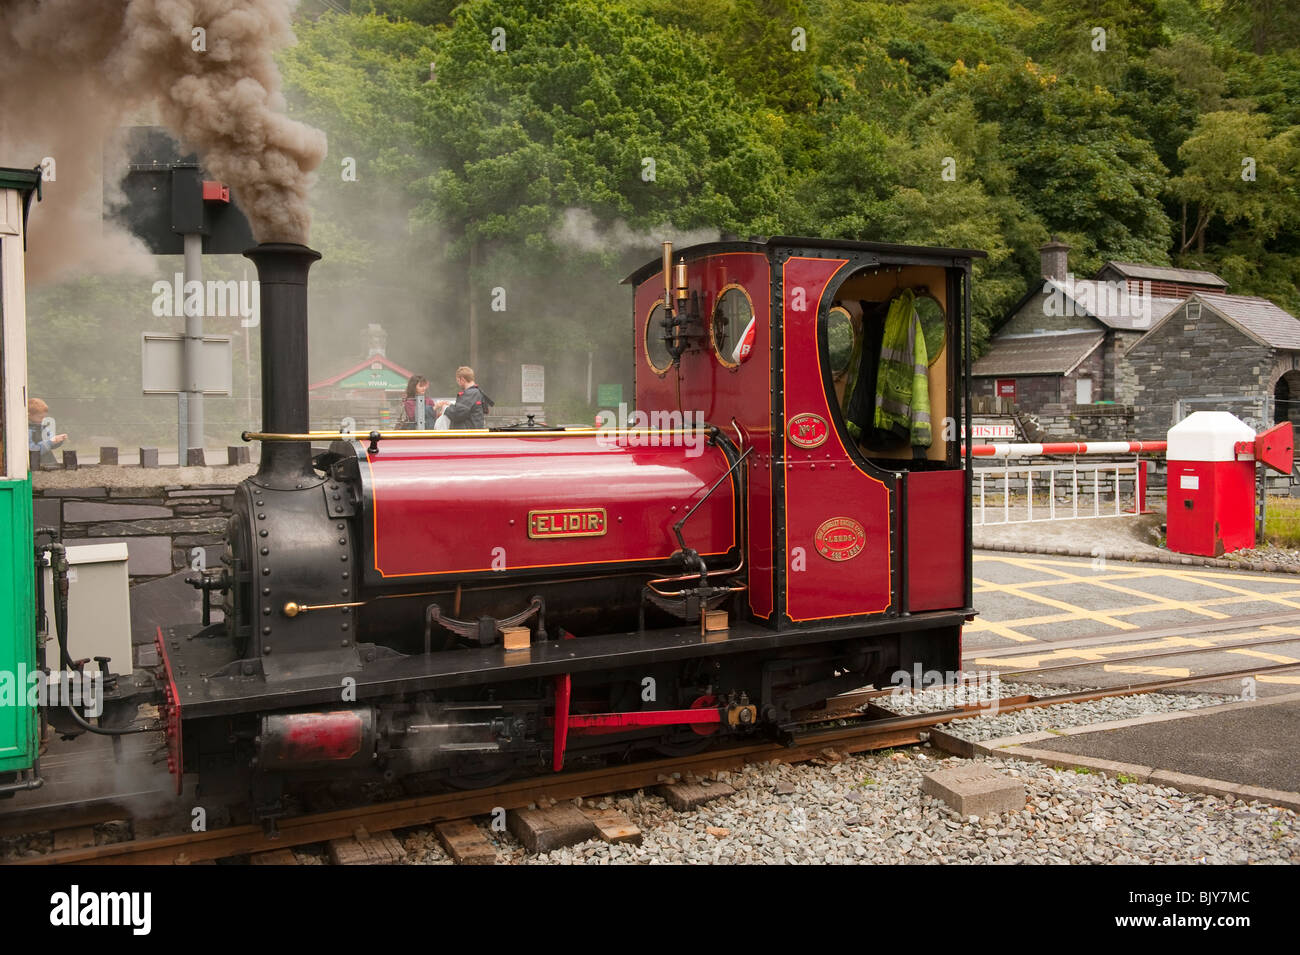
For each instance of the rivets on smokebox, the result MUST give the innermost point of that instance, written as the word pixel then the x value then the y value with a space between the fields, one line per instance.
pixel 266 591
pixel 266 611
pixel 263 533
pixel 344 592
pixel 343 556
pixel 339 526
pixel 266 571
pixel 266 631
pixel 345 626
pixel 261 503
pixel 343 540
pixel 261 517
pixel 345 575
pixel 264 551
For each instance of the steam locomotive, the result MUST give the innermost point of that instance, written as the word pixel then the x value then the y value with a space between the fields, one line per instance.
pixel 475 604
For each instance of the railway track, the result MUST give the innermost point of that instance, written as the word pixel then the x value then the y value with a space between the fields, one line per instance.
pixel 841 728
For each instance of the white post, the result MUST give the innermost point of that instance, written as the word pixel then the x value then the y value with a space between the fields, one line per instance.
pixel 1006 494
pixel 192 360
pixel 1074 484
pixel 981 498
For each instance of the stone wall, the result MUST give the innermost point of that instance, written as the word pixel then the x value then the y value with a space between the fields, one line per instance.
pixel 1058 422
pixel 1189 359
pixel 161 513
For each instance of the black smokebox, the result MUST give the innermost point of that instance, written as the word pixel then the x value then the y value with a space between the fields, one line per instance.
pixel 282 278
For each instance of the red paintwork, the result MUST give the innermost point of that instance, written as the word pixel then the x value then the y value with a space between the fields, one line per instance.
pixel 592 723
pixel 215 191
pixel 824 484
pixel 314 737
pixel 1221 515
pixel 936 540
pixel 723 394
pixel 1274 447
pixel 560 737
pixel 169 711
pixel 447 506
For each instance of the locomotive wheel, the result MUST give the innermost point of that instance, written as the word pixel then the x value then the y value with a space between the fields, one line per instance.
pixel 695 739
pixel 484 778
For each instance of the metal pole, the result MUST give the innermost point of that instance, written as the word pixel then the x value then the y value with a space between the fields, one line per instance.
pixel 473 307
pixel 193 354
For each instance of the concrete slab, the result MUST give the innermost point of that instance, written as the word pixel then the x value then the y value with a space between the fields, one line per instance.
pixel 975 790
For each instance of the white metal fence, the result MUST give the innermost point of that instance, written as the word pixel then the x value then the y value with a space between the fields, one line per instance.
pixel 1020 493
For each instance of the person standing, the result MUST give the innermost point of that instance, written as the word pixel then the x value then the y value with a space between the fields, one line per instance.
pixel 418 410
pixel 470 408
pixel 36 412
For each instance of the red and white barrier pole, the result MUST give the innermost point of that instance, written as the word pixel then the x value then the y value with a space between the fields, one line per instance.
pixel 1066 447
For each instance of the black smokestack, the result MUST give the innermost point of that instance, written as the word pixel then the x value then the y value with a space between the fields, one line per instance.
pixel 282 277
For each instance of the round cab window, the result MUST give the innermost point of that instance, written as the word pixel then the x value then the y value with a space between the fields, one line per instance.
pixel 656 345
pixel 933 325
pixel 839 339
pixel 731 317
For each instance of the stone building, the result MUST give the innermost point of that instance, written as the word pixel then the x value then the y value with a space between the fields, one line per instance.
pixel 1243 349
pixel 1062 343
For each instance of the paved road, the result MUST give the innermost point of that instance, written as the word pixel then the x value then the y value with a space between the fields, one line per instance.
pixel 1031 602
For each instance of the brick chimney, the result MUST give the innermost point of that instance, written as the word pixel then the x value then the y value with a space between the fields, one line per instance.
pixel 1054 258
pixel 374 340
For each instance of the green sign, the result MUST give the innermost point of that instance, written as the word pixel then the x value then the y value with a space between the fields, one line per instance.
pixel 609 396
pixel 372 379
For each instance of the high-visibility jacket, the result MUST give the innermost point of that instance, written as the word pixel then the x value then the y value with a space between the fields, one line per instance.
pixel 903 385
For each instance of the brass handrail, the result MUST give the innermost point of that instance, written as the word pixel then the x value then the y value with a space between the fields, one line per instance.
pixel 408 435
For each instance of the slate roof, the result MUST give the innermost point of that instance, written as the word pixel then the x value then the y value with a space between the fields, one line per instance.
pixel 1258 316
pixel 1161 273
pixel 1114 309
pixel 1046 354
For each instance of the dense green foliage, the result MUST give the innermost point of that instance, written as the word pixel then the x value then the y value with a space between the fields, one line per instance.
pixel 501 149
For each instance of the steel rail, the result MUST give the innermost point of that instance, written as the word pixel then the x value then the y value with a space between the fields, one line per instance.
pixel 425 810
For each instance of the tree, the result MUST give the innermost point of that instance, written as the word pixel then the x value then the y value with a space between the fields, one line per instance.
pixel 1234 172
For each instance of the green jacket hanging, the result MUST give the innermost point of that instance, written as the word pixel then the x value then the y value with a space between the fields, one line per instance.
pixel 903 386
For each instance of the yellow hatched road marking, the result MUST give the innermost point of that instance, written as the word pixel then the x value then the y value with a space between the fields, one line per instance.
pixel 1157 602
pixel 1152 671
pixel 1044 564
pixel 1261 655
pixel 981 625
pixel 1092 654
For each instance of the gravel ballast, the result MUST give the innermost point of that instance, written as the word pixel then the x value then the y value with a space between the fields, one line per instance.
pixel 870 810
pixel 1038 719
